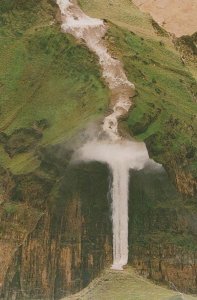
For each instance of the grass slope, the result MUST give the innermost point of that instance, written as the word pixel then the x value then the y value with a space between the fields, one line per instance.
pixel 126 285
pixel 44 74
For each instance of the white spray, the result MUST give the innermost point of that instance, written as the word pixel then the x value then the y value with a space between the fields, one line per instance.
pixel 121 155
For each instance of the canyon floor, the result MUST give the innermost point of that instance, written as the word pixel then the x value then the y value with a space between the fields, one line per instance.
pixel 126 285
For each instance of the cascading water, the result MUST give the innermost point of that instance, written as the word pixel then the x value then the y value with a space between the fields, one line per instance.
pixel 92 31
pixel 121 155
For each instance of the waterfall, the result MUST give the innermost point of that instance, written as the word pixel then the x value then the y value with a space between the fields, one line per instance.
pixel 120 215
pixel 121 155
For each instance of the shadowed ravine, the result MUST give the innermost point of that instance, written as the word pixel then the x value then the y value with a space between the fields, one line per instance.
pixel 109 147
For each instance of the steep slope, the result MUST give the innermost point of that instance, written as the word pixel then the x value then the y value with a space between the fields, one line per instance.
pixel 45 75
pixel 55 218
pixel 166 100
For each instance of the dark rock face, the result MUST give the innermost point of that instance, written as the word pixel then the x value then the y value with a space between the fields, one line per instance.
pixel 71 243
pixel 163 231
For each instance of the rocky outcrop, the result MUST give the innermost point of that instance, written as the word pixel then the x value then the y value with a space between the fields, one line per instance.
pixel 187 46
pixel 23 139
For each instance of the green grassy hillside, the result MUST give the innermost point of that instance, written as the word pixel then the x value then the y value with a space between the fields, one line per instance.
pixel 44 75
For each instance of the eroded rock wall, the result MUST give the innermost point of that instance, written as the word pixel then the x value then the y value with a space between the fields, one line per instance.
pixel 71 243
pixel 163 231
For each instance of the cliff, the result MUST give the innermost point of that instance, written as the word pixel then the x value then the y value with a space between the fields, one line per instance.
pixel 163 231
pixel 55 224
pixel 70 243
